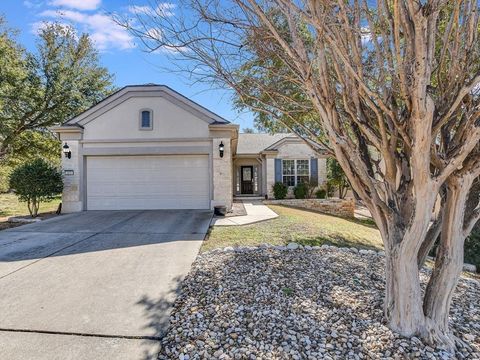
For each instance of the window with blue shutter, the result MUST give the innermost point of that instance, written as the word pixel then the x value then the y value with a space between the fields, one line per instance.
pixel 293 171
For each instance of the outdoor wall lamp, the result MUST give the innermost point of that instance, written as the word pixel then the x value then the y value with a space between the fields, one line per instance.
pixel 66 151
pixel 221 148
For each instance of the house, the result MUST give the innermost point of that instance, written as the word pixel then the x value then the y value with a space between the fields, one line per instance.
pixel 267 159
pixel 149 147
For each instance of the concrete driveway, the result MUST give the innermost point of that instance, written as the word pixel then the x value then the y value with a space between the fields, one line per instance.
pixel 94 285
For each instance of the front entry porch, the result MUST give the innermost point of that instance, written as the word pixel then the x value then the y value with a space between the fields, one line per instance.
pixel 247 177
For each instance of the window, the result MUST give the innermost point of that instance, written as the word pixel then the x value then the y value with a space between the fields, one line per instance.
pixel 288 168
pixel 295 172
pixel 303 171
pixel 146 122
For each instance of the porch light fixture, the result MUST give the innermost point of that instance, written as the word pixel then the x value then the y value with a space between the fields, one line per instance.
pixel 66 151
pixel 221 148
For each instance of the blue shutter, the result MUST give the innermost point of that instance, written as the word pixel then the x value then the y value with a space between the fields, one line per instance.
pixel 278 170
pixel 314 171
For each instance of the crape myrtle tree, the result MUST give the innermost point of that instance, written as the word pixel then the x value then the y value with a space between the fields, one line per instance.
pixel 391 88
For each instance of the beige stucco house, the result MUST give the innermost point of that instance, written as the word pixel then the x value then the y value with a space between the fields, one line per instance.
pixel 149 147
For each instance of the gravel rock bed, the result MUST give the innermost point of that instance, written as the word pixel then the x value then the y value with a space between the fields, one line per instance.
pixel 300 303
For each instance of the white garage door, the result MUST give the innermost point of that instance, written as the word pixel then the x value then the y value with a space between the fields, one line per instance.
pixel 148 182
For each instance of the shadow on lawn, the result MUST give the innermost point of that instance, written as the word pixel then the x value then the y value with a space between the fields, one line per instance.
pixel 368 222
pixel 337 241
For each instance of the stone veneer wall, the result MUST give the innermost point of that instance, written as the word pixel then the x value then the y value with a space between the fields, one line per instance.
pixel 72 196
pixel 344 208
pixel 222 174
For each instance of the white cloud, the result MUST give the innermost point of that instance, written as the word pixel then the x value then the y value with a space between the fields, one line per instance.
pixel 32 4
pixel 105 33
pixel 140 9
pixel 77 4
pixel 162 9
pixel 154 37
pixel 154 34
pixel 39 25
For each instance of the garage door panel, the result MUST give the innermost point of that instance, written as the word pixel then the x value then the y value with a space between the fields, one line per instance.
pixel 136 188
pixel 148 182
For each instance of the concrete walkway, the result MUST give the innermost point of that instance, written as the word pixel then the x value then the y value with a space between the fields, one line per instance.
pixel 256 212
pixel 94 285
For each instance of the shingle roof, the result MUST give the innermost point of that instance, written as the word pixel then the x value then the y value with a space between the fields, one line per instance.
pixel 255 143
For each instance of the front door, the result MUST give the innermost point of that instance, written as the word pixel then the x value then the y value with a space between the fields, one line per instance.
pixel 247 179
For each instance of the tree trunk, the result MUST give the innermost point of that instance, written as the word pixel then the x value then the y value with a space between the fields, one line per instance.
pixel 35 206
pixel 403 298
pixel 30 209
pixel 448 266
pixel 427 245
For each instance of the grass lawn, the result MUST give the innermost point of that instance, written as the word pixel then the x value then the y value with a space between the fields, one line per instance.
pixel 301 226
pixel 10 206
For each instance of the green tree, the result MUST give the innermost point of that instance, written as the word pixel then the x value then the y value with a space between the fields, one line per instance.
pixel 336 178
pixel 36 181
pixel 39 89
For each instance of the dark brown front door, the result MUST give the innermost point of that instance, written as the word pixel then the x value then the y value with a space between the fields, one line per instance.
pixel 247 179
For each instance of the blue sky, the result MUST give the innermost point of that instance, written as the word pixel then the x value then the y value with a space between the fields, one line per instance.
pixel 118 50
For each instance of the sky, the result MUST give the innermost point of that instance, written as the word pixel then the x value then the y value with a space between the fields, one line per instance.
pixel 119 51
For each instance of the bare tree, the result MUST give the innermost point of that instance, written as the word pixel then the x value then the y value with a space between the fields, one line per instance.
pixel 391 89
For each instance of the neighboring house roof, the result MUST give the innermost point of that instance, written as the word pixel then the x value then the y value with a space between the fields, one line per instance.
pixel 295 138
pixel 256 143
pixel 146 90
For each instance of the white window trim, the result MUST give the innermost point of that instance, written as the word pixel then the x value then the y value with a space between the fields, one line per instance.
pixel 140 127
pixel 295 170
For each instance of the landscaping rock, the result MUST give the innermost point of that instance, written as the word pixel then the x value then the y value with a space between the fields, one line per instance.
pixel 292 246
pixel 324 303
pixel 470 268
pixel 24 219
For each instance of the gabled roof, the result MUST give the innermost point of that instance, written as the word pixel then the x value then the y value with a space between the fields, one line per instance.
pixel 256 143
pixel 148 90
pixel 292 138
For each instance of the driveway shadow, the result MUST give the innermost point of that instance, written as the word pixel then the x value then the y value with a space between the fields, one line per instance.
pixel 157 313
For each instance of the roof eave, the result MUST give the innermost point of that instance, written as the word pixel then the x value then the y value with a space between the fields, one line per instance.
pixel 223 126
pixel 74 128
pixel 269 152
pixel 215 118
